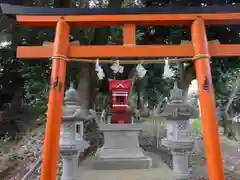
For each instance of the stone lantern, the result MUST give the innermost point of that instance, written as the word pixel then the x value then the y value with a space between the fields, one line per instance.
pixel 71 138
pixel 179 140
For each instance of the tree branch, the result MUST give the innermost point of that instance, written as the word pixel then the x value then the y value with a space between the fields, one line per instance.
pixel 233 93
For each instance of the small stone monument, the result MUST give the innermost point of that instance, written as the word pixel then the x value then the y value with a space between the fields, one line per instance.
pixel 71 138
pixel 177 114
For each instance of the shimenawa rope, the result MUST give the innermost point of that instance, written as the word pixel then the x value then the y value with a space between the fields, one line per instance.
pixel 107 61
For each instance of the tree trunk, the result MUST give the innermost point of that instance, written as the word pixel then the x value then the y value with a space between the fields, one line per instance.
pixel 86 83
pixel 225 123
pixel 17 100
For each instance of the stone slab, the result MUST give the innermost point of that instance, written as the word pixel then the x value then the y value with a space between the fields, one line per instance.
pixel 121 140
pixel 122 163
pixel 120 127
pixel 122 159
pixel 159 171
pixel 107 153
pixel 121 148
pixel 120 136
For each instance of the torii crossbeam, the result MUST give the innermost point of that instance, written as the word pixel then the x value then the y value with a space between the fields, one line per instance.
pixel 129 19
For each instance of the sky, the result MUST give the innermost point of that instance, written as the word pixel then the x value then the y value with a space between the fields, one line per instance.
pixel 4 44
pixel 193 87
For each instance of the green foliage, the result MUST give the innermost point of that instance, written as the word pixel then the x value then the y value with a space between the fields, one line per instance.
pixel 196 126
pixel 153 84
pixel 36 87
pixel 33 76
pixel 27 80
pixel 223 69
pixel 153 87
pixel 224 86
pixel 16 74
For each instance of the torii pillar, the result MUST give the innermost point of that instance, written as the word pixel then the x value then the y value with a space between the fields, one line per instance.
pixel 207 101
pixel 55 102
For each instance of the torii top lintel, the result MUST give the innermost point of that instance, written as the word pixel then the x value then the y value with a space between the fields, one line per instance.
pixel 36 16
pixel 129 18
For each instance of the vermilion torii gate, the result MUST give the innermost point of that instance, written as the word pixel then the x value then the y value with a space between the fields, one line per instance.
pixel 129 19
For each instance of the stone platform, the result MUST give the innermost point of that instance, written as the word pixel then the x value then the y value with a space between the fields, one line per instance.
pixel 121 148
pixel 159 171
pixel 143 162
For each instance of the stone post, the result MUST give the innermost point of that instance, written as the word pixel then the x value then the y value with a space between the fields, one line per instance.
pixel 71 139
pixel 177 114
pixel 70 164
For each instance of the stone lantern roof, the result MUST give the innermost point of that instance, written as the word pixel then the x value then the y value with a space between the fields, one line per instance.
pixel 72 109
pixel 176 94
pixel 71 106
pixel 177 109
pixel 71 96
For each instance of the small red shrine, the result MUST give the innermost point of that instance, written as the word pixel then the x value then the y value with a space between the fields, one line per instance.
pixel 120 90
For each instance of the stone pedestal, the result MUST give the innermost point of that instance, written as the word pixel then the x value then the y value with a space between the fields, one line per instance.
pixel 180 163
pixel 69 171
pixel 180 151
pixel 121 148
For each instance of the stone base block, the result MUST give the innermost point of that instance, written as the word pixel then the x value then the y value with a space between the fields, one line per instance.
pixel 121 148
pixel 182 176
pixel 113 159
pixel 188 145
pixel 121 163
pixel 160 171
pixel 105 153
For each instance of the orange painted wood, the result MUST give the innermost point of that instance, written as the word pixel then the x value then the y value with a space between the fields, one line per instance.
pixel 207 102
pixel 54 114
pixel 186 50
pixel 139 20
pixel 129 34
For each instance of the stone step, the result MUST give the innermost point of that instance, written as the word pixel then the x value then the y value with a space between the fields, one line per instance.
pixel 122 163
pixel 160 171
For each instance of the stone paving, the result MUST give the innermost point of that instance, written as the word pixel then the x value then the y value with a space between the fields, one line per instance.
pixel 160 171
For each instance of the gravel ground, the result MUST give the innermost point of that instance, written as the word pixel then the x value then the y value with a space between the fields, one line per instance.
pixel 26 152
pixel 197 159
pixel 231 156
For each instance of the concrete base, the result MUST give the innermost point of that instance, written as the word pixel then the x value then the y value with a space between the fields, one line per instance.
pixel 121 148
pixel 188 145
pixel 159 171
pixel 122 163
pixel 182 176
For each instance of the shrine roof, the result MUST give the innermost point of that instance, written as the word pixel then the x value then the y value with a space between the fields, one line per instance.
pixel 120 85
pixel 25 10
